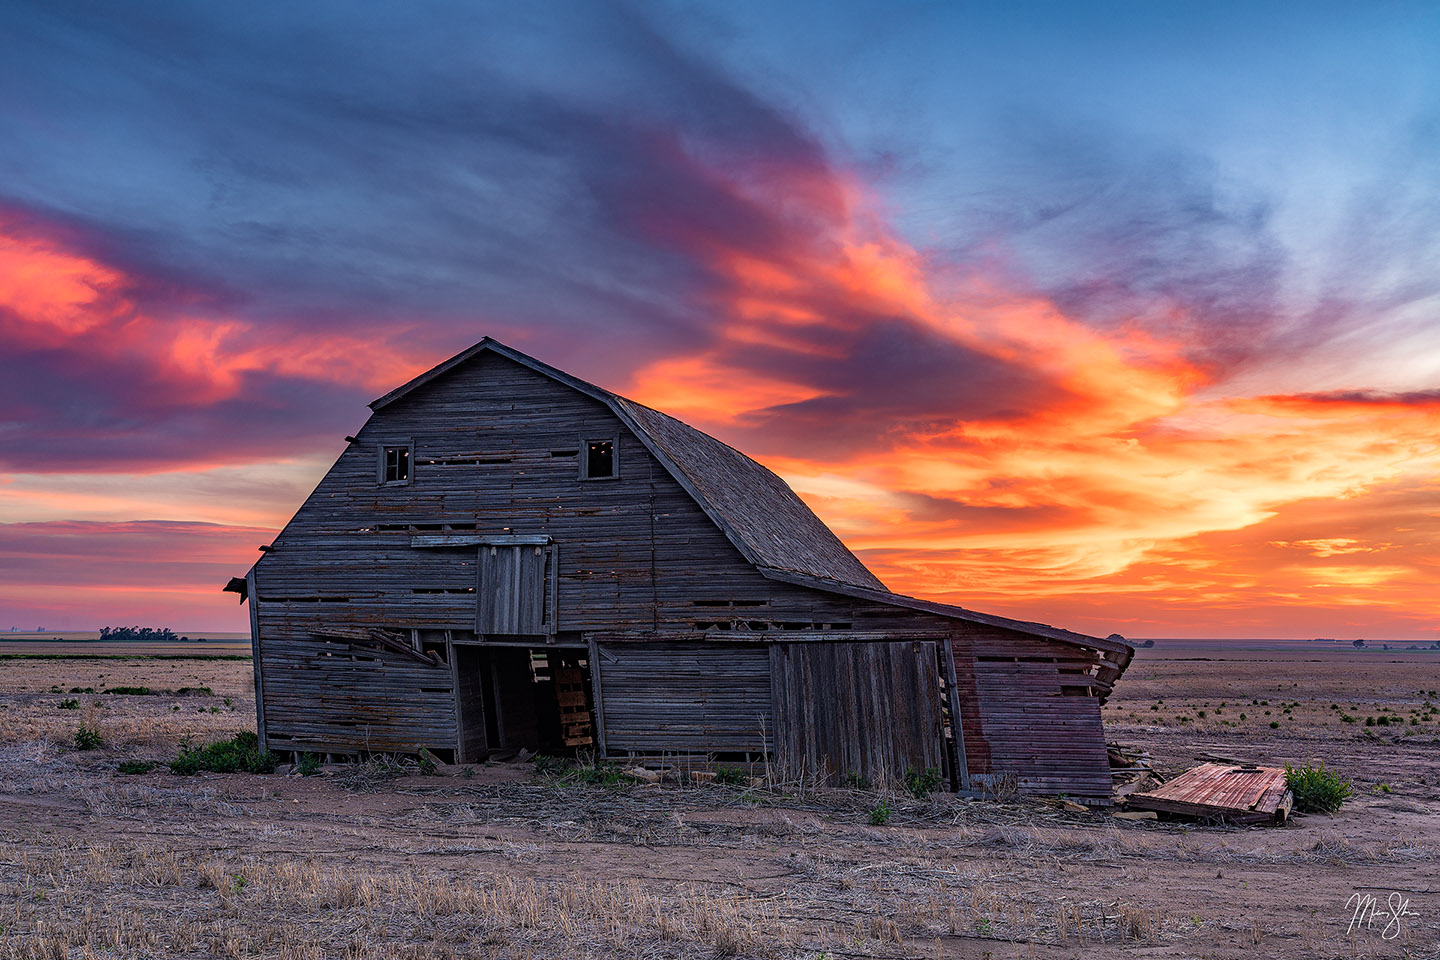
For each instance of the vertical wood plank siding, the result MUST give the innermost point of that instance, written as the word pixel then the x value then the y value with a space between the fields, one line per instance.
pixel 496 449
pixel 511 594
pixel 869 709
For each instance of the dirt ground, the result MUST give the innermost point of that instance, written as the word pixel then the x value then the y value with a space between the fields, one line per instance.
pixel 504 861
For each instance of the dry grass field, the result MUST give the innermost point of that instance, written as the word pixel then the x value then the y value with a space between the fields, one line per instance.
pixel 503 861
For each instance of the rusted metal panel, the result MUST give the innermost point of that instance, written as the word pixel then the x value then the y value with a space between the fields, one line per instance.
pixel 1243 794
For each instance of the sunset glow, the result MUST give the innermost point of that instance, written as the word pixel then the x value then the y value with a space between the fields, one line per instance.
pixel 1144 389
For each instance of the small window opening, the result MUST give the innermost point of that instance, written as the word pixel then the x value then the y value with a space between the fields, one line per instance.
pixel 599 459
pixel 395 465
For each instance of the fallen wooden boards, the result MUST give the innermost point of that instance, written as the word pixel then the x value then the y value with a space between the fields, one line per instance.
pixel 1234 793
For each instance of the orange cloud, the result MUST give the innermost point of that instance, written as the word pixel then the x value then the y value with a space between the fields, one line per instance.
pixel 1087 490
pixel 96 355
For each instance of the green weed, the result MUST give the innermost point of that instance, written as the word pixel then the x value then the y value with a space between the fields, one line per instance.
pixel 919 783
pixel 731 776
pixel 137 766
pixel 880 814
pixel 241 754
pixel 1316 789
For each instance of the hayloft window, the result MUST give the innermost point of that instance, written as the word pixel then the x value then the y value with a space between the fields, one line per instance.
pixel 395 463
pixel 515 593
pixel 598 461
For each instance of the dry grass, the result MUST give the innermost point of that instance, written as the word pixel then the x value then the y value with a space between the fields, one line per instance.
pixel 507 864
pixel 84 896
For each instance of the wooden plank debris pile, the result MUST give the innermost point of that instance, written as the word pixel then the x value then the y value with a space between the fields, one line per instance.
pixel 1239 794
pixel 1130 769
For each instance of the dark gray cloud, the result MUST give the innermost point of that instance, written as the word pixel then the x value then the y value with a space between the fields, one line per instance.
pixel 416 177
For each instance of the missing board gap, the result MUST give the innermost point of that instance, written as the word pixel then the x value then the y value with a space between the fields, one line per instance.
pixel 303 599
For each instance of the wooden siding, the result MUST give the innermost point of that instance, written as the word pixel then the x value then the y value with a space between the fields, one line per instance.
pixel 496 449
pixel 868 709
pixel 513 591
pixel 1237 794
pixel 1050 742
pixel 472 736
pixel 341 697
pixel 685 698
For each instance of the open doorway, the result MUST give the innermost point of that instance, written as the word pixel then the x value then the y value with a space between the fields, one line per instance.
pixel 522 698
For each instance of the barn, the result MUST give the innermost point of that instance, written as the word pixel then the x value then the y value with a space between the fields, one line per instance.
pixel 507 557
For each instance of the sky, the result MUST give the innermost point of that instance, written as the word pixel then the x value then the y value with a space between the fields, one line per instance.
pixel 1119 316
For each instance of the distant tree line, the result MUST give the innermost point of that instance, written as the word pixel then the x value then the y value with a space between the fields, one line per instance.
pixel 145 634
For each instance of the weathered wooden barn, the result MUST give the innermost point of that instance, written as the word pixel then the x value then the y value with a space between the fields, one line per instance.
pixel 507 557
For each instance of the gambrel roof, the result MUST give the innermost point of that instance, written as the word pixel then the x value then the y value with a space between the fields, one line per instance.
pixel 757 511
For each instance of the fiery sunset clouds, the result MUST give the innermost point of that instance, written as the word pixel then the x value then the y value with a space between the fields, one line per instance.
pixel 1142 337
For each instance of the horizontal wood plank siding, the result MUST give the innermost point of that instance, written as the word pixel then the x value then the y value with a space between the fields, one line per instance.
pixel 496 447
pixel 1050 742
pixel 339 697
pixel 685 697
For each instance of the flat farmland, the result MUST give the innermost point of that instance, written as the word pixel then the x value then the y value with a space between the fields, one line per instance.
pixel 509 861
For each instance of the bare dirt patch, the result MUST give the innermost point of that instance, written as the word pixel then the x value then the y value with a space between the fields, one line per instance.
pixel 502 862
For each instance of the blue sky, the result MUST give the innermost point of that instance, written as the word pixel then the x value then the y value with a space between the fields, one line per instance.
pixel 910 236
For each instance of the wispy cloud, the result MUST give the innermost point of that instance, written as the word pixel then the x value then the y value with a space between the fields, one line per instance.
pixel 1082 360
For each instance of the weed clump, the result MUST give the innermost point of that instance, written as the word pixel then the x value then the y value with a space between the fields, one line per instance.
pixel 731 776
pixel 880 814
pixel 241 754
pixel 1316 789
pixel 308 765
pixel 131 691
pixel 88 738
pixel 70 704
pixel 585 769
pixel 921 783
pixel 137 766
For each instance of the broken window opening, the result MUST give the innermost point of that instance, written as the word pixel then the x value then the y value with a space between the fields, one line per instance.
pixel 395 464
pixel 599 462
